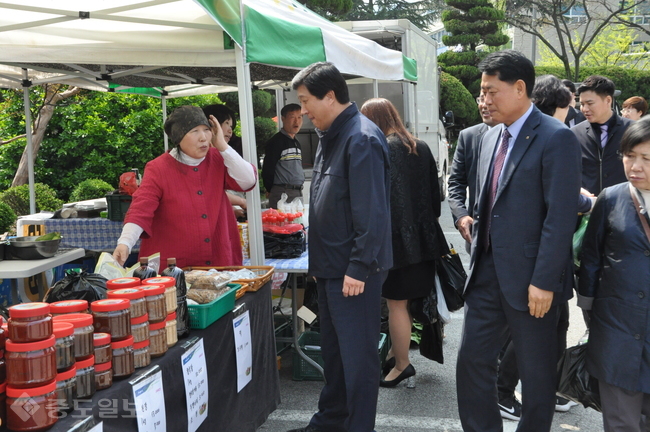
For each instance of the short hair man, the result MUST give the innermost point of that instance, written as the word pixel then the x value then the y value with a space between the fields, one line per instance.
pixel 349 247
pixel 282 170
pixel 528 185
pixel 574 116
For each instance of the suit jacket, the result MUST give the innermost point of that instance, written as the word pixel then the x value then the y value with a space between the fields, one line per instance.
pixel 534 212
pixel 601 167
pixel 463 171
pixel 575 115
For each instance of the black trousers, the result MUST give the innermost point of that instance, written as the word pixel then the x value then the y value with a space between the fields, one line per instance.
pixel 489 319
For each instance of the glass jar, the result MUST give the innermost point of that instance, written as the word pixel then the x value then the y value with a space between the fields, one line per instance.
pixel 123 282
pixel 103 351
pixel 169 283
pixel 3 370
pixel 30 364
pixel 103 376
pixel 68 306
pixel 135 296
pixel 38 402
pixel 140 328
pixel 3 336
pixel 29 322
pixel 85 378
pixel 64 345
pixel 123 358
pixel 170 327
pixel 83 333
pixel 141 356
pixel 66 388
pixel 3 406
pixel 158 339
pixel 156 306
pixel 112 316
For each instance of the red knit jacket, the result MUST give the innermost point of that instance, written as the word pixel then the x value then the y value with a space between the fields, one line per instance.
pixel 185 213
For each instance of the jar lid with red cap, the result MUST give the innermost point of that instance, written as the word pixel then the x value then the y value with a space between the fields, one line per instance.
pixel 100 339
pixel 140 345
pixel 16 393
pixel 140 319
pixel 165 281
pixel 86 363
pixel 30 346
pixel 123 343
pixel 157 326
pixel 123 282
pixel 62 329
pixel 150 290
pixel 68 306
pixel 66 375
pixel 109 305
pixel 171 316
pixel 126 293
pixel 103 367
pixel 28 310
pixel 77 320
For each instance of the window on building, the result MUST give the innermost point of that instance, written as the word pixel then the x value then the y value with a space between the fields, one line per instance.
pixel 641 13
pixel 576 15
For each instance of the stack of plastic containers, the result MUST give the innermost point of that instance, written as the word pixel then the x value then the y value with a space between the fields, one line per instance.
pixel 84 350
pixel 113 316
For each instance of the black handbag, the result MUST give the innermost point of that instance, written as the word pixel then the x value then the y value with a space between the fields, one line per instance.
pixel 452 279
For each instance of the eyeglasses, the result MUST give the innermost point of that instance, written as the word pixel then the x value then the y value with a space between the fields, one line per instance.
pixel 628 109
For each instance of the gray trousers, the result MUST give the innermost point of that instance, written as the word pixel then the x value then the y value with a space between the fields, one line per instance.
pixel 623 410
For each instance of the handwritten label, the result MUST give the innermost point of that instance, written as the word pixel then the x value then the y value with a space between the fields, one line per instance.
pixel 149 400
pixel 196 385
pixel 243 349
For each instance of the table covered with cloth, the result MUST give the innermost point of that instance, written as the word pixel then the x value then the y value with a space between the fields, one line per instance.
pixel 95 234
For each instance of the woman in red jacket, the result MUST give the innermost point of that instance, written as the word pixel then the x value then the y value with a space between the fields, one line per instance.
pixel 181 209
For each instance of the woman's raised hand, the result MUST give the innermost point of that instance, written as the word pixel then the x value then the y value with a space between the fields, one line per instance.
pixel 218 141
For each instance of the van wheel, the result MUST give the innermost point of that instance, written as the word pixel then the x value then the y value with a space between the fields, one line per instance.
pixel 442 183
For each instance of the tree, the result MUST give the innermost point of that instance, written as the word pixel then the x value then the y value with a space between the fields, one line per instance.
pixel 422 13
pixel 471 23
pixel 566 27
pixel 455 97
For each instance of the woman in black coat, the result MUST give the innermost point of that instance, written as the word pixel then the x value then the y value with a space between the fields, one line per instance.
pixel 415 208
pixel 615 286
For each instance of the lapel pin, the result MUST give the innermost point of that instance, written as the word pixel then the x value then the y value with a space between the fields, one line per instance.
pixel 527 136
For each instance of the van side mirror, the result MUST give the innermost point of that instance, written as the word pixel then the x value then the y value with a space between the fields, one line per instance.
pixel 449 119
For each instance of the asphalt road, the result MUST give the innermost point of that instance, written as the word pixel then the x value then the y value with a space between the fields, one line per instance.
pixel 432 405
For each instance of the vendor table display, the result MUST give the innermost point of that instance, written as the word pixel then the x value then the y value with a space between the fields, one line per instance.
pixel 96 234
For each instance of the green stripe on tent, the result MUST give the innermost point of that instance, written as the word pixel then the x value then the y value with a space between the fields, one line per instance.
pixel 410 68
pixel 147 91
pixel 226 13
pixel 282 43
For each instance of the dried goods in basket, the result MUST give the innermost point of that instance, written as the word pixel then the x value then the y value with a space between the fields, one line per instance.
pixel 264 274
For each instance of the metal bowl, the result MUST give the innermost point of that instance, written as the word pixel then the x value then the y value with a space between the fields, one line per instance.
pixel 27 248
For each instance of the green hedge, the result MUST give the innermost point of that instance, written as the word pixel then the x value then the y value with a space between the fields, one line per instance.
pixel 17 198
pixel 7 217
pixel 89 189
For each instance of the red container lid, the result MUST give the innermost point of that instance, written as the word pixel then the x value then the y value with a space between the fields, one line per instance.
pixel 124 282
pixel 77 320
pixel 109 305
pixel 103 367
pixel 83 364
pixel 100 339
pixel 123 343
pixel 171 316
pixel 68 306
pixel 28 310
pixel 165 281
pixel 66 375
pixel 140 345
pixel 150 290
pixel 126 293
pixel 140 319
pixel 15 393
pixel 157 326
pixel 62 329
pixel 30 346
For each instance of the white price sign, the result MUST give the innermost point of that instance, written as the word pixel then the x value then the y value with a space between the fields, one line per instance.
pixel 196 385
pixel 149 400
pixel 241 325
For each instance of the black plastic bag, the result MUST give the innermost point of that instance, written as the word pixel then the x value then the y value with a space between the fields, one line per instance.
pixel 78 286
pixel 452 279
pixel 431 342
pixel 284 245
pixel 425 309
pixel 573 380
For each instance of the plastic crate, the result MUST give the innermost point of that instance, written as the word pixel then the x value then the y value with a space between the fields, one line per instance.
pixel 303 371
pixel 118 205
pixel 201 316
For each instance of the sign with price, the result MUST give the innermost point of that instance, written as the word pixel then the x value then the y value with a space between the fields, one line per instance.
pixel 241 325
pixel 149 399
pixel 196 384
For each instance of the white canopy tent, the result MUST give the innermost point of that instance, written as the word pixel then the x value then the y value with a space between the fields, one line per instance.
pixel 178 48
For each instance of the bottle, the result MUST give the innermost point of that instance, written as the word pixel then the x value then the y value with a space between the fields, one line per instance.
pixel 182 314
pixel 178 274
pixel 144 271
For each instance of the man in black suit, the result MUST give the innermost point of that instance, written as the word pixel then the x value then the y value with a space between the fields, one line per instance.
pixel 520 270
pixel 573 116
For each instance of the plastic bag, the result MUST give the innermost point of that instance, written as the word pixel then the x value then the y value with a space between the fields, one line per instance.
pixel 578 236
pixel 452 279
pixel 284 245
pixel 108 267
pixel 282 204
pixel 425 309
pixel 443 311
pixel 128 183
pixel 431 342
pixel 78 286
pixel 574 382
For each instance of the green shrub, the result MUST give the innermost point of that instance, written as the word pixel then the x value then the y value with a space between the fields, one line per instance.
pixel 89 189
pixel 265 128
pixel 18 199
pixel 7 217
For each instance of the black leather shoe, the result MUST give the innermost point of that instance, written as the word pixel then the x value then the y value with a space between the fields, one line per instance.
pixel 388 365
pixel 406 373
pixel 305 429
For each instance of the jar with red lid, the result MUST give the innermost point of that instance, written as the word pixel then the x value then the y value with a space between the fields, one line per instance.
pixel 112 316
pixel 30 364
pixel 135 296
pixel 68 306
pixel 3 370
pixel 156 306
pixel 3 336
pixel 170 290
pixel 157 339
pixel 39 403
pixel 170 327
pixel 83 333
pixel 141 356
pixel 64 345
pixel 123 365
pixel 103 376
pixel 3 406
pixel 85 377
pixel 103 351
pixel 140 328
pixel 66 388
pixel 123 282
pixel 29 322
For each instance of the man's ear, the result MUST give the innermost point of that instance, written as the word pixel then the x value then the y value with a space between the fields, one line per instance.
pixel 520 87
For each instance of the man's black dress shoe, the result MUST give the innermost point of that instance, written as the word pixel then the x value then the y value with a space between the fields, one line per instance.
pixel 305 429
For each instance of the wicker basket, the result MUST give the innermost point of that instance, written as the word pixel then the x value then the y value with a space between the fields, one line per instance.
pixel 241 291
pixel 264 275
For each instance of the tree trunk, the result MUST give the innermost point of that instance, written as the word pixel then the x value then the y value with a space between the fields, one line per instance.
pixel 52 97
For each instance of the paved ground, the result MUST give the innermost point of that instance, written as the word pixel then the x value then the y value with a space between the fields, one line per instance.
pixel 431 406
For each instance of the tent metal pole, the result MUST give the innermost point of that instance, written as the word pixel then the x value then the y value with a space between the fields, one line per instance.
pixel 164 119
pixel 30 150
pixel 375 88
